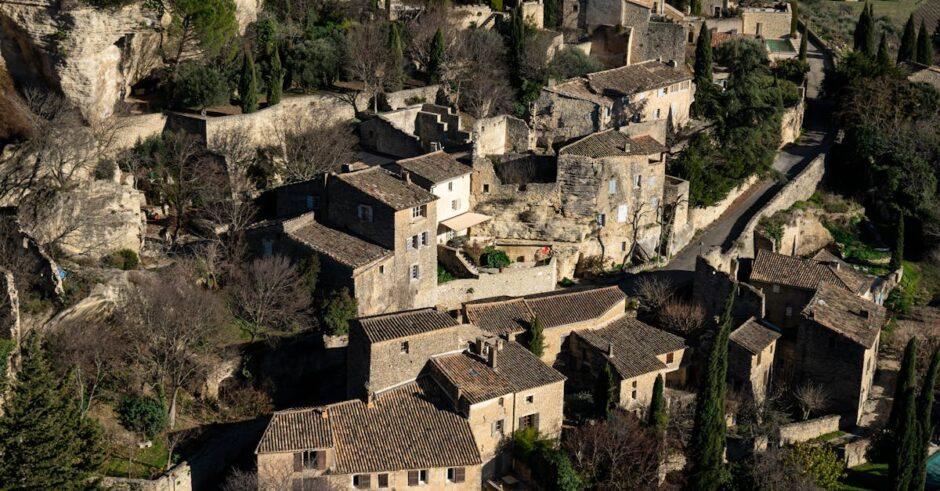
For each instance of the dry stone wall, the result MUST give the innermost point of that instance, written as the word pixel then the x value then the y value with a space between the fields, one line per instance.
pixel 510 282
pixel 807 430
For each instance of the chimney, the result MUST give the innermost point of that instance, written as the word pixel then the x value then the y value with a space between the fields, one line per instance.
pixel 370 399
pixel 491 358
pixel 626 146
pixel 324 414
pixel 610 349
pixel 672 63
pixel 406 176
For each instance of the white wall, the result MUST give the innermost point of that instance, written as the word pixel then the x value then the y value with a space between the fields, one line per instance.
pixel 445 210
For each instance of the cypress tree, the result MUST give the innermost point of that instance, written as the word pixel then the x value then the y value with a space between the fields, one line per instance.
pixel 437 57
pixel 605 392
pixel 925 420
pixel 397 57
pixel 516 46
pixel 936 36
pixel 883 58
pixel 897 255
pixel 248 84
pixel 803 46
pixel 707 445
pixel 908 49
pixel 536 337
pixel 552 14
pixel 657 411
pixel 275 78
pixel 703 58
pixel 45 442
pixel 865 31
pixel 903 465
pixel 794 18
pixel 904 382
pixel 695 7
pixel 924 53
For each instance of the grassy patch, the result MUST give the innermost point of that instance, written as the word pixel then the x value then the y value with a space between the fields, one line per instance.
pixel 834 20
pixel 443 276
pixel 912 290
pixel 854 247
pixel 865 476
pixel 147 463
pixel 832 435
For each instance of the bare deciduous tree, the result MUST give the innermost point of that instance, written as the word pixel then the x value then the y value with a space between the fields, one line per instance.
pixel 811 398
pixel 368 55
pixel 619 453
pixel 173 328
pixel 308 151
pixel 475 70
pixel 239 152
pixel 88 350
pixel 269 296
pixel 682 317
pixel 653 292
pixel 421 30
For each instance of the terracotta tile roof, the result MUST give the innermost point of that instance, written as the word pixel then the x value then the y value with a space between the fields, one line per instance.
pixel 384 327
pixel 753 336
pixel 343 248
pixel 612 143
pixel 636 345
pixel 847 314
pixel 383 186
pixel 567 307
pixel 409 427
pixel 516 370
pixel 435 167
pixel 553 309
pixel 770 267
pixel 296 429
pixel 579 88
pixel 639 77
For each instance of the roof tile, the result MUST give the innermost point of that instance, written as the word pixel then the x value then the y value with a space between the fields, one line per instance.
pixel 384 327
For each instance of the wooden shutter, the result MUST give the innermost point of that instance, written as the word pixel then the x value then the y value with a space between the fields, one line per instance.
pixel 298 462
pixel 412 478
pixel 321 459
pixel 535 421
pixel 365 481
pixel 459 474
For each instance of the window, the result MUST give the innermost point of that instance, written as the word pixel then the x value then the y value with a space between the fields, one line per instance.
pixel 622 212
pixel 760 28
pixel 789 311
pixel 415 272
pixel 661 93
pixel 612 186
pixel 670 357
pixel 658 113
pixel 601 219
pixel 530 421
pixel 486 188
pixel 623 246
pixel 456 474
pixel 383 480
pixel 529 399
pixel 364 212
pixel 637 181
pixel 419 211
pixel 758 358
pixel 382 269
pixel 450 186
pixel 412 242
pixel 497 428
pixel 405 347
pixel 418 478
pixel 633 385
pixel 633 395
pixel 362 481
pixel 268 246
pixel 455 204
pixel 775 288
pixel 424 239
pixel 310 459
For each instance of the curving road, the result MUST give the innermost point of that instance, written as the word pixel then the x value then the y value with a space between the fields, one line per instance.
pixel 815 139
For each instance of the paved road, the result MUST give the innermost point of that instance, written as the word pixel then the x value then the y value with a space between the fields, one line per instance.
pixel 814 140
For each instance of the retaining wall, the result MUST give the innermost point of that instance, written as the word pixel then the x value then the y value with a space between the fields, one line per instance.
pixel 703 217
pixel 511 282
pixel 807 430
pixel 178 478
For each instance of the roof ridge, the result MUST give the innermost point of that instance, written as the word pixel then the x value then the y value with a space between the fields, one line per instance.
pixel 399 313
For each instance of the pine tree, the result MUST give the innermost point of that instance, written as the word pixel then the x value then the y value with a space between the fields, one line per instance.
pixel 794 18
pixel 865 31
pixel 657 411
pixel 397 57
pixel 248 84
pixel 45 442
pixel 925 420
pixel 908 49
pixel 707 445
pixel 695 7
pixel 605 392
pixel 905 382
pixel 897 254
pixel 924 54
pixel 436 58
pixel 803 46
pixel 703 58
pixel 275 78
pixel 883 58
pixel 535 341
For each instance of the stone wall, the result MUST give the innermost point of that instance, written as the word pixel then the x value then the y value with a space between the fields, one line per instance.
pixel 534 13
pixel 703 217
pixel 179 478
pixel 803 234
pixel 791 122
pixel 800 188
pixel 807 430
pixel 712 285
pixel 131 129
pixel 773 23
pixel 466 16
pixel 510 282
pixel 381 135
pixel 501 135
pixel 392 101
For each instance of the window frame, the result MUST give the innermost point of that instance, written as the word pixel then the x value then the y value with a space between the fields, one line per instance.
pixel 365 213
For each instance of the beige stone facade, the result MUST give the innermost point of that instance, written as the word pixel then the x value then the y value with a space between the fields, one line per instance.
pixel 767 22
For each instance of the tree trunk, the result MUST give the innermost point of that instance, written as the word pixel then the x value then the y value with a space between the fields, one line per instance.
pixel 172 412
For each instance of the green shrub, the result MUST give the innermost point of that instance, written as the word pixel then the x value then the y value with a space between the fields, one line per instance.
pixel 124 259
pixel 338 310
pixel 142 414
pixel 6 348
pixel 909 292
pixel 198 86
pixel 819 462
pixel 572 62
pixel 550 466
pixel 105 170
pixel 772 227
pixel 443 276
pixel 494 258
pixel 566 282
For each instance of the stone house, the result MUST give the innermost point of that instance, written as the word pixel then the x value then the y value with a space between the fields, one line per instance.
pixel 768 22
pixel 837 347
pixel 637 354
pixel 751 350
pixel 500 387
pixel 603 195
pixel 442 175
pixel 559 313
pixel 413 130
pixel 624 32
pixel 405 437
pixel 374 233
pixel 646 91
